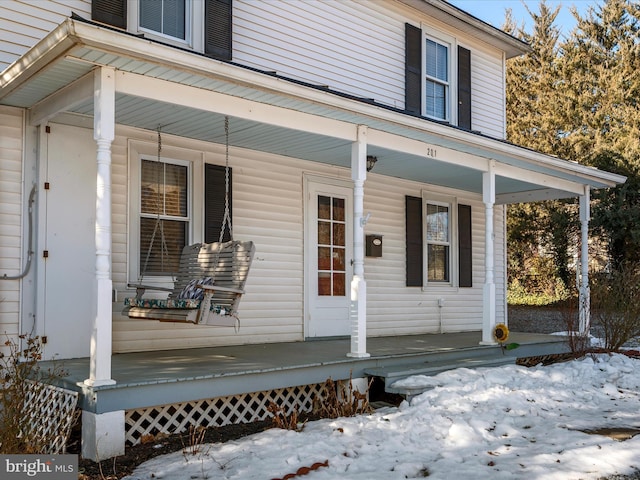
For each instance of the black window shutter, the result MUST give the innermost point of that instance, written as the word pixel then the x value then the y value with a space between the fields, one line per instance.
pixel 214 194
pixel 464 88
pixel 413 69
pixel 111 12
pixel 465 254
pixel 414 248
pixel 217 28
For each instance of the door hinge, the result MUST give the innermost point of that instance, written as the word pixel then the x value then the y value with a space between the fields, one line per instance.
pixel 45 254
pixel 44 339
pixel 47 185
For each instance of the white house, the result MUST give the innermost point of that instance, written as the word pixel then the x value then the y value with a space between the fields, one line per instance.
pixel 104 101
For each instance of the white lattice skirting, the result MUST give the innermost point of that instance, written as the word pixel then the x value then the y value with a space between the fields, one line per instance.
pixel 244 408
pixel 51 414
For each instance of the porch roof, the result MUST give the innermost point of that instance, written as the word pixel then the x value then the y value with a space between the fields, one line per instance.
pixel 189 95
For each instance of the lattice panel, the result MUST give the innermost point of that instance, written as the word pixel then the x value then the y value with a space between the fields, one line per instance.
pixel 51 413
pixel 245 408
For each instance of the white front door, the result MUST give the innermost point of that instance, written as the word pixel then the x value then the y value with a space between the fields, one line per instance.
pixel 328 254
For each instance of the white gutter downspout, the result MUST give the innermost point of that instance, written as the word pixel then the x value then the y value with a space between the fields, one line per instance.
pixel 489 290
pixel 358 307
pixel 584 290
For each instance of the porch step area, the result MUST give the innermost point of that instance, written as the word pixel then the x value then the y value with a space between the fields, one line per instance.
pixel 472 359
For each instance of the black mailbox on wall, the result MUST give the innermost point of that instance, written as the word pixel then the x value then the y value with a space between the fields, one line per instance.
pixel 373 245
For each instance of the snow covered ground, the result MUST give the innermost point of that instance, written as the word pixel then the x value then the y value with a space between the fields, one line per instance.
pixel 506 422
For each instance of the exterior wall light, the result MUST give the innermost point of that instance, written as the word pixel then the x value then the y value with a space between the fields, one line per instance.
pixel 371 161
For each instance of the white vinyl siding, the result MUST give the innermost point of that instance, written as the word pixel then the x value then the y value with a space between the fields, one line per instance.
pixel 267 199
pixel 357 48
pixel 267 209
pixel 354 47
pixel 11 207
pixel 386 291
pixel 343 45
pixel 488 97
pixel 24 22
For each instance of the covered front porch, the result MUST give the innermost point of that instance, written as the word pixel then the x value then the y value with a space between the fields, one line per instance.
pixel 165 391
pixel 288 141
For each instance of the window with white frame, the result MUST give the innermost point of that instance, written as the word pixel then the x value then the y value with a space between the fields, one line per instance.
pixel 438 241
pixel 439 244
pixel 175 200
pixel 204 26
pixel 164 219
pixel 437 79
pixel 167 18
pixel 437 76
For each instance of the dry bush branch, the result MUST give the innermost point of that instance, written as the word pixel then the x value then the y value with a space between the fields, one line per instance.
pixel 196 441
pixel 283 420
pixel 31 418
pixel 340 401
pixel 578 341
pixel 615 300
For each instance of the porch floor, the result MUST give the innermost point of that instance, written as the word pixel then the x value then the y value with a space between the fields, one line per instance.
pixel 162 377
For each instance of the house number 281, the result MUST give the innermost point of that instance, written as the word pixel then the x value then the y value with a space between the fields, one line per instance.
pixel 431 152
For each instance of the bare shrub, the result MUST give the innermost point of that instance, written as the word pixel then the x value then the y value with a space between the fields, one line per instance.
pixel 284 420
pixel 578 341
pixel 31 420
pixel 615 301
pixel 196 443
pixel 340 401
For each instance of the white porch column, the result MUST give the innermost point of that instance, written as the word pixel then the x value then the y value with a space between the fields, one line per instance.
pixel 103 435
pixel 584 290
pixel 358 310
pixel 103 133
pixel 489 289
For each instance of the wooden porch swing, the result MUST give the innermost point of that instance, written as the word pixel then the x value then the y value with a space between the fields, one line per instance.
pixel 210 280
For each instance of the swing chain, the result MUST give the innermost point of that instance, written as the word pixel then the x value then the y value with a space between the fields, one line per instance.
pixel 226 220
pixel 164 250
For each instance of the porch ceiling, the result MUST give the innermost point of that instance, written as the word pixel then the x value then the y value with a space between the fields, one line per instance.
pixel 64 60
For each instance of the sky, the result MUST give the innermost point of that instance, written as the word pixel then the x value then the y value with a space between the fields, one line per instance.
pixel 508 422
pixel 493 11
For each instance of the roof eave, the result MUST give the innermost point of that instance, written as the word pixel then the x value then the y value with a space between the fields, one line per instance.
pixel 72 33
pixel 57 43
pixel 447 13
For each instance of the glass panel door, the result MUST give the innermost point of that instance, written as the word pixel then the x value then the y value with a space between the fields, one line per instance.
pixel 331 246
pixel 328 253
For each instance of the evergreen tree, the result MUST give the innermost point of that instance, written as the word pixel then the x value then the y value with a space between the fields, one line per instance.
pixel 601 65
pixel 578 98
pixel 535 94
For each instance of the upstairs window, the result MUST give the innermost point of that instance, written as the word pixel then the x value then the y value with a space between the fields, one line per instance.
pixel 436 80
pixel 437 77
pixel 203 25
pixel 165 17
